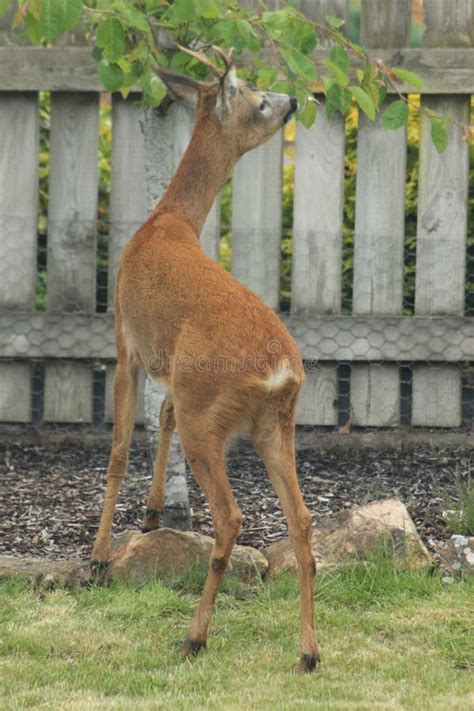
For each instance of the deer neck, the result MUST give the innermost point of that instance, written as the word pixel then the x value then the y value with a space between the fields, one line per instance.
pixel 201 173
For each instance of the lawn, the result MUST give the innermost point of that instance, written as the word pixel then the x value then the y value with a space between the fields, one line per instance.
pixel 390 640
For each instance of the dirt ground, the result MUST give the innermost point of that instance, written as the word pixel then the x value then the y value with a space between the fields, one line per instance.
pixel 50 497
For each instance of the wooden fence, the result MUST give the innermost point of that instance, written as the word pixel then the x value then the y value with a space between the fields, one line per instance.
pixel 48 358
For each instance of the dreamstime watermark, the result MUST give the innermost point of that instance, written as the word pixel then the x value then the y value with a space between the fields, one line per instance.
pixel 160 364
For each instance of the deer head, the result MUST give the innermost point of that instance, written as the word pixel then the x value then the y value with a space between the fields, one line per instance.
pixel 245 115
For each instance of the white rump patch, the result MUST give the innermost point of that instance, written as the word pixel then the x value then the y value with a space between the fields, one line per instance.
pixel 280 376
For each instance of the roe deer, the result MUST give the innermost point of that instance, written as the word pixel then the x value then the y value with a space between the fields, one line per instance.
pixel 226 359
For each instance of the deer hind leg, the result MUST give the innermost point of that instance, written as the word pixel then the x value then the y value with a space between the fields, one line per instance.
pixel 125 400
pixel 206 460
pixel 275 445
pixel 156 498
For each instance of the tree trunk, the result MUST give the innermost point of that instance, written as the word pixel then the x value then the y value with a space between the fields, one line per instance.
pixel 166 135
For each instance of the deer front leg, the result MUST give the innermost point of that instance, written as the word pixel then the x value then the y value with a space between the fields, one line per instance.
pixel 125 400
pixel 156 498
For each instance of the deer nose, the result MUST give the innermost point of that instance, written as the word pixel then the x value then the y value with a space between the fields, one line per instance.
pixel 293 104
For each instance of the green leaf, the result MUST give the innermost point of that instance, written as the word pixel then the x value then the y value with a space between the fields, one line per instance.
pixel 334 22
pixel 5 5
pixel 96 54
pixel 111 76
pixel 52 19
pixel 282 87
pixel 131 17
pixel 439 136
pixel 395 115
pixel 182 11
pixel 274 23
pixel 59 15
pixel 266 77
pixel 333 97
pixel 154 90
pixel 308 115
pixel 33 29
pixel 158 91
pixel 339 57
pixel 72 12
pixel 373 91
pixel 111 38
pixel 345 101
pixel 364 101
pixel 209 9
pixel 339 75
pixel 298 64
pixel 408 77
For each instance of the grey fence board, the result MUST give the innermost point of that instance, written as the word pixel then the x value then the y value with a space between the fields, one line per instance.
pixel 127 206
pixel 442 223
pixel 379 226
pixel 127 190
pixel 72 218
pixel 317 234
pixel 256 220
pixel 19 123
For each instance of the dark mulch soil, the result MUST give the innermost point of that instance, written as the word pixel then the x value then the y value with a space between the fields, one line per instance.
pixel 50 498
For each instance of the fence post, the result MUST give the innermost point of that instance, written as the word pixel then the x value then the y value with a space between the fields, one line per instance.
pixel 379 224
pixel 442 221
pixel 317 231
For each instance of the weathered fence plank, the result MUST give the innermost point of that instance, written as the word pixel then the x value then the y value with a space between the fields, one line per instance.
pixel 128 207
pixel 379 226
pixel 256 220
pixel 19 132
pixel 72 218
pixel 317 233
pixel 442 223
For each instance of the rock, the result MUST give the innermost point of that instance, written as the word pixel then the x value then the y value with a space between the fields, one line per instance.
pixel 456 556
pixel 355 532
pixel 45 572
pixel 137 556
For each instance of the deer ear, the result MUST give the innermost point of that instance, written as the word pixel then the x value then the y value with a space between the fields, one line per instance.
pixel 227 92
pixel 181 88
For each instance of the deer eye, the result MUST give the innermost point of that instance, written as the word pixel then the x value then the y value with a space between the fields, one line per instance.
pixel 263 105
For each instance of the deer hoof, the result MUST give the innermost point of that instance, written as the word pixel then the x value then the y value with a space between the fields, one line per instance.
pixel 99 570
pixel 191 647
pixel 152 520
pixel 308 663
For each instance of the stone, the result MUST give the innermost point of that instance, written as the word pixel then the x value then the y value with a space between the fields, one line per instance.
pixel 354 534
pixel 137 556
pixel 44 572
pixel 456 556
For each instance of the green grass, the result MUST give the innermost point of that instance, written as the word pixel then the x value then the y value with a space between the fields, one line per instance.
pixel 390 640
pixel 460 514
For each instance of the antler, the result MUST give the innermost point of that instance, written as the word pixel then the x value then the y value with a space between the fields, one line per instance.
pixel 226 57
pixel 201 57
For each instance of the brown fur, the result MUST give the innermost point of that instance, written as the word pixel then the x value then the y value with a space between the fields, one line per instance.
pixel 227 360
